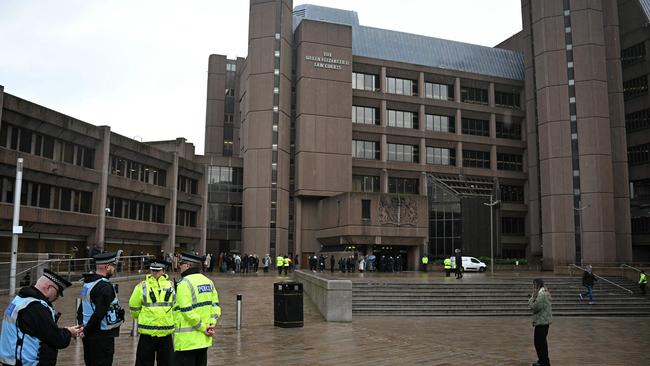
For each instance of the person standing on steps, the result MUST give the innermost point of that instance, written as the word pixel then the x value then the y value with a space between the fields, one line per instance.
pixel 458 258
pixel 643 280
pixel 588 279
pixel 540 303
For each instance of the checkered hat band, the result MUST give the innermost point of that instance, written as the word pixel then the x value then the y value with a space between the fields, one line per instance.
pixel 58 282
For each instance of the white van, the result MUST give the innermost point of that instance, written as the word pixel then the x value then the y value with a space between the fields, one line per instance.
pixel 470 264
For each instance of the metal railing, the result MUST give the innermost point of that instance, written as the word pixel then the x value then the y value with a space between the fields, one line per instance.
pixel 72 269
pixel 572 266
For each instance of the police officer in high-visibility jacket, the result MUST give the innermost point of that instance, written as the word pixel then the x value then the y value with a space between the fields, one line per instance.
pixel 447 263
pixel 279 263
pixel 30 335
pixel 425 262
pixel 195 314
pixel 100 312
pixel 152 303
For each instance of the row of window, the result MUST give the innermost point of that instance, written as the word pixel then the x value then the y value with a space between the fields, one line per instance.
pixel 476 127
pixel 510 193
pixel 137 171
pixel 513 226
pixel 188 185
pixel 640 225
pixel 638 154
pixel 399 86
pixel 635 88
pixel 640 188
pixel 402 119
pixel 637 121
pixel 28 141
pixel 135 210
pixel 224 216
pixel 633 54
pixel 406 153
pixel 370 183
pixel 365 115
pixel 47 196
pixel 185 218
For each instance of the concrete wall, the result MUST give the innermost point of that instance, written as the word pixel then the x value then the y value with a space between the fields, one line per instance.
pixel 333 298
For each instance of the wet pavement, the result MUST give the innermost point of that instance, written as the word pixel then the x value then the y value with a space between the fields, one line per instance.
pixel 385 341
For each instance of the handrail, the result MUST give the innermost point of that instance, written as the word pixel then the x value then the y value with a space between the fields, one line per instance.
pixel 628 266
pixel 601 278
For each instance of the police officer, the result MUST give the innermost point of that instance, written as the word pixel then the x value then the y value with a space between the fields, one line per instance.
pixel 100 311
pixel 196 313
pixel 151 303
pixel 447 266
pixel 425 262
pixel 30 335
pixel 643 280
pixel 458 259
pixel 279 263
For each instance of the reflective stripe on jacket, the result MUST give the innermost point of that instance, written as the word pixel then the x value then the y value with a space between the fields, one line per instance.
pixel 14 344
pixel 447 263
pixel 152 303
pixel 197 307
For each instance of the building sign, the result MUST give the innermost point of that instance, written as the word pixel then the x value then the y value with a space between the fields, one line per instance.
pixel 327 61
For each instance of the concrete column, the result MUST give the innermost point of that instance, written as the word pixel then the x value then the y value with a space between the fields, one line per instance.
pixel 459 122
pixel 297 235
pixel 457 90
pixel 493 126
pixel 459 154
pixel 204 210
pixel 102 160
pixel 169 244
pixel 383 180
pixel 421 85
pixel 423 184
pixel 422 119
pixel 423 151
pixel 384 148
pixel 493 158
pixel 491 95
pixel 382 79
pixel 383 116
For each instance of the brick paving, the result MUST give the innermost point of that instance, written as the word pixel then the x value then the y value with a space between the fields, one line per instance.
pixel 385 341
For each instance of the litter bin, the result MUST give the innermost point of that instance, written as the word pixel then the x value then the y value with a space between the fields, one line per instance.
pixel 287 304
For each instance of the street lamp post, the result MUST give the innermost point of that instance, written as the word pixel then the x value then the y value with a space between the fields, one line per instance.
pixel 491 205
pixel 582 246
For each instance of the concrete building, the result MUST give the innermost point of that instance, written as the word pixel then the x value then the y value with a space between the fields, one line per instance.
pixel 387 142
pixel 85 186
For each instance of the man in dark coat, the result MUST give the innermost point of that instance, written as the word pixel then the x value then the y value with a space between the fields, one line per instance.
pixel 459 264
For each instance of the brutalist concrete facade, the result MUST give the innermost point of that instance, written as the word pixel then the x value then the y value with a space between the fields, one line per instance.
pixel 556 157
pixel 85 186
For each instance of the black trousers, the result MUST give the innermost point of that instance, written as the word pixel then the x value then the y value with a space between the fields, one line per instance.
pixel 642 287
pixel 154 349
pixel 195 357
pixel 541 346
pixel 99 351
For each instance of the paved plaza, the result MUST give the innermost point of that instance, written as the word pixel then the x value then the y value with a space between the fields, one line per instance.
pixel 385 341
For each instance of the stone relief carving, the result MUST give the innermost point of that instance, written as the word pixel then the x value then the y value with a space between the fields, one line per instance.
pixel 397 211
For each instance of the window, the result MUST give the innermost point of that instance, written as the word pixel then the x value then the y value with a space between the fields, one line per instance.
pixel 135 210
pixel 403 185
pixel 637 121
pixel 640 225
pixel 365 183
pixel 476 159
pixel 476 127
pixel 225 179
pixel 513 226
pixel 438 91
pixel 507 100
pixel 365 115
pixel 511 130
pixel 365 149
pixel 185 218
pixel 509 162
pixel 364 81
pixel 474 95
pixel 441 156
pixel 136 171
pixel 187 185
pixel 640 188
pixel 440 123
pixel 638 154
pixel 406 153
pixel 231 67
pixel 365 210
pixel 511 193
pixel 635 87
pixel 402 119
pixel 27 141
pixel 401 86
pixel 224 216
pixel 47 196
pixel 633 54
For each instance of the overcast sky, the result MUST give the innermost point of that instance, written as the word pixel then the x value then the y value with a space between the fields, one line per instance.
pixel 141 66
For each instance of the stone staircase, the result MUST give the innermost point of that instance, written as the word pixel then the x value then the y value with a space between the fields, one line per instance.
pixel 494 298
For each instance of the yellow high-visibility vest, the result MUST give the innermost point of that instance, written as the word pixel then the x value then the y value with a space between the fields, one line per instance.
pixel 151 304
pixel 197 307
